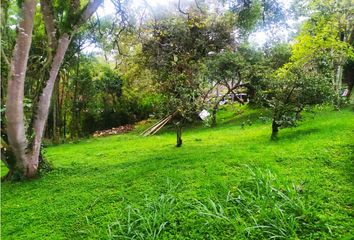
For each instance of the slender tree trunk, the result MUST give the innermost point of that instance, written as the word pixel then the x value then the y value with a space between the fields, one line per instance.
pixel 74 120
pixel 64 125
pixel 55 113
pixel 15 91
pixel 179 135
pixel 338 82
pixel 60 107
pixel 213 115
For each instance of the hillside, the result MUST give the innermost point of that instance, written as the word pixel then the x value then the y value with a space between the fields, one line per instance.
pixel 228 182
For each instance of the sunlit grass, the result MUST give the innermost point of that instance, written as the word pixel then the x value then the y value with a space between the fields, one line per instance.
pixel 228 182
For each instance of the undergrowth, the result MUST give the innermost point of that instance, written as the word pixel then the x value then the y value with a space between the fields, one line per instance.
pixel 147 222
pixel 262 207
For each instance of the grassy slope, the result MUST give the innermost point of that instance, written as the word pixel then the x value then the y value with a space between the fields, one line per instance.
pixel 95 181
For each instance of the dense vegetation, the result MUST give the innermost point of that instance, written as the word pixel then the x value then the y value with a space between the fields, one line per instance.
pixel 228 182
pixel 260 89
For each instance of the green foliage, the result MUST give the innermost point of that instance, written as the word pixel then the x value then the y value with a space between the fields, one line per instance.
pixel 256 14
pixel 175 53
pixel 293 88
pixel 104 101
pixel 324 41
pixel 278 55
pixel 319 42
pixel 248 16
pixel 110 82
pixel 226 66
pixel 67 13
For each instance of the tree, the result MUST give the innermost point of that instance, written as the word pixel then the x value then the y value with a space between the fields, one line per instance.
pixel 227 69
pixel 27 152
pixel 174 53
pixel 326 40
pixel 294 87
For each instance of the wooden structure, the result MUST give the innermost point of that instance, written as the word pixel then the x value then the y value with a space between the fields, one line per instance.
pixel 157 126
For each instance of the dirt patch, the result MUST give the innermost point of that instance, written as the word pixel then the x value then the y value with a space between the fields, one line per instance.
pixel 114 131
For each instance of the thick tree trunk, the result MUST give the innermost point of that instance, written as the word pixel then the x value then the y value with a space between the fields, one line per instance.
pixel 15 91
pixel 275 130
pixel 27 163
pixel 44 99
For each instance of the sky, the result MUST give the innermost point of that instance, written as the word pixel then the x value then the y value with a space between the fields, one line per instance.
pixel 108 8
pixel 258 38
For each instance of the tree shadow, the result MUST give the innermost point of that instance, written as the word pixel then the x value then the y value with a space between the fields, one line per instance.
pixel 299 133
pixel 242 118
pixel 348 170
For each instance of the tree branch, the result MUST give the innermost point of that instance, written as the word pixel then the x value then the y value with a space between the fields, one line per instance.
pixel 180 9
pixel 44 99
pixel 6 59
pixel 49 22
pixel 89 9
pixel 199 7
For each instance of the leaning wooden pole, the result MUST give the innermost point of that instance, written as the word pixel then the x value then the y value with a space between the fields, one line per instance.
pixel 154 125
pixel 158 126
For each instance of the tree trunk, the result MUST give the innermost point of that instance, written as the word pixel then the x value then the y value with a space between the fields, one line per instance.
pixel 74 131
pixel 213 115
pixel 179 135
pixel 55 113
pixel 338 85
pixel 44 99
pixel 275 130
pixel 27 163
pixel 15 91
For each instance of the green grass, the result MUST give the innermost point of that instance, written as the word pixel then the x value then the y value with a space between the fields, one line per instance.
pixel 228 182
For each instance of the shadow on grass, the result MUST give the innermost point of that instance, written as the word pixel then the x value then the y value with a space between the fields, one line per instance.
pixel 297 134
pixel 348 170
pixel 241 118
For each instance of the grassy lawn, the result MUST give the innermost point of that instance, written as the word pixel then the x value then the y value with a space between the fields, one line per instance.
pixel 228 182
